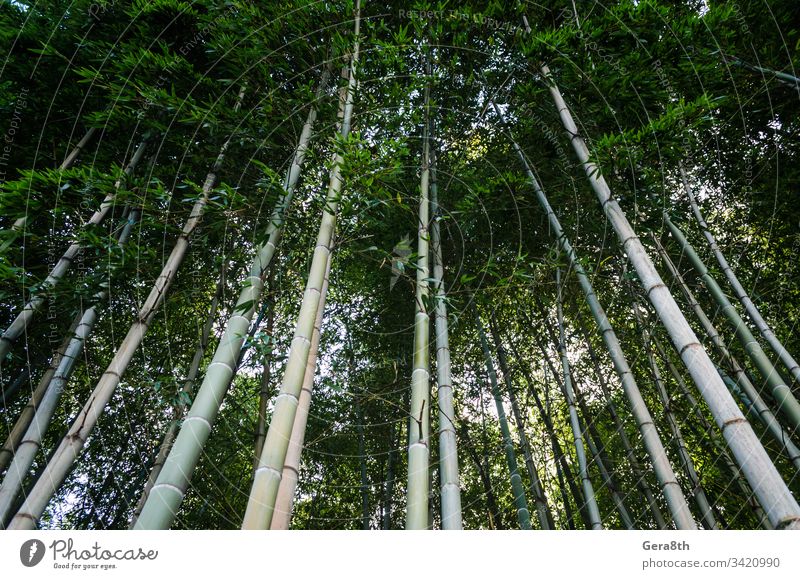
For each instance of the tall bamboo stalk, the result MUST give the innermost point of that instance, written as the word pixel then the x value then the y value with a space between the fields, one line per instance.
pixel 268 475
pixel 540 498
pixel 563 470
pixel 419 413
pixel 517 489
pixel 179 409
pixel 448 451
pixel 569 392
pixel 170 487
pixel 774 495
pixel 31 442
pixel 284 503
pixel 752 311
pixel 652 441
pixel 72 444
pixel 744 389
pixel 787 403
pixel 597 449
pixel 25 317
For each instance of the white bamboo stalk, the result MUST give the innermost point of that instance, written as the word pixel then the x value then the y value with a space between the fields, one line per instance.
pixel 261 504
pixel 448 452
pixel 778 501
pixel 284 503
pixel 419 419
pixel 751 309
pixel 25 317
pixel 577 436
pixel 67 452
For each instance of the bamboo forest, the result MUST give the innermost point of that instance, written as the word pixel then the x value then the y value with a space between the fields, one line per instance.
pixel 400 265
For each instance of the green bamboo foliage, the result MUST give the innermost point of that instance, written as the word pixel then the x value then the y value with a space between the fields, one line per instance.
pixel 284 503
pixel 25 317
pixel 652 441
pixel 419 412
pixel 448 452
pixel 569 392
pixel 787 403
pixel 751 309
pixel 30 443
pixel 165 497
pixel 774 495
pixel 261 504
pixel 517 489
pixel 69 449
pixel 742 387
pixel 69 160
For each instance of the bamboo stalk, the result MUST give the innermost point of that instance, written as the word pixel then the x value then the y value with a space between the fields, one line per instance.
pixel 569 393
pixel 543 513
pixel 179 409
pixel 419 412
pixel 284 502
pixel 517 489
pixel 448 449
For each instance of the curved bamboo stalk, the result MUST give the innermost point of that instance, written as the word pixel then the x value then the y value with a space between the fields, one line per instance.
pixel 517 489
pixel 261 504
pixel 284 502
pixel 655 448
pixel 787 403
pixel 569 392
pixel 170 488
pixel 741 294
pixel 774 495
pixel 25 317
pixel 448 450
pixel 72 444
pixel 742 387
